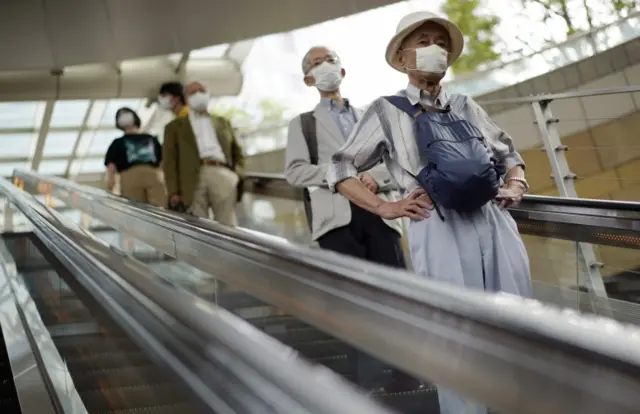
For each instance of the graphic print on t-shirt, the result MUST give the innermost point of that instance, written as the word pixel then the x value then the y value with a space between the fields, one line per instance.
pixel 140 151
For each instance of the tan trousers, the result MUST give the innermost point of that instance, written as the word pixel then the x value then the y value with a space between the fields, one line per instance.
pixel 144 183
pixel 216 189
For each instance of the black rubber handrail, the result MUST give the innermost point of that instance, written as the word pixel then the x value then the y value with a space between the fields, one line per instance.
pixel 527 199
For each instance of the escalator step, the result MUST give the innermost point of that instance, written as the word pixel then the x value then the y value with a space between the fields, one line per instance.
pixel 70 302
pixel 277 323
pixel 53 315
pixel 93 344
pixel 415 402
pixel 118 377
pixel 323 348
pixel 340 364
pixel 105 360
pixel 184 408
pixel 238 300
pixel 110 399
pixel 294 336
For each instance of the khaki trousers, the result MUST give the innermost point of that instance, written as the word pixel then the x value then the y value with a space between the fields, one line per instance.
pixel 144 183
pixel 216 189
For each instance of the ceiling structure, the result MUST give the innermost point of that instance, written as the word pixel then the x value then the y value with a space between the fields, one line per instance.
pixel 52 35
pixel 70 137
pixel 61 87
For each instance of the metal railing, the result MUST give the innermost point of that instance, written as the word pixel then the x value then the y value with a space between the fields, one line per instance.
pixel 537 356
pixel 547 126
pixel 181 330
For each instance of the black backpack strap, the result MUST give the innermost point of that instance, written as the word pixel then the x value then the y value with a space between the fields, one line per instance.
pixel 308 123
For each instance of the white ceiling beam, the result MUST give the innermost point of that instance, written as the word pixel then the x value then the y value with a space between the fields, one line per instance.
pixel 182 63
pixel 28 159
pixel 83 128
pixel 135 79
pixel 239 51
pixel 42 136
pixel 5 131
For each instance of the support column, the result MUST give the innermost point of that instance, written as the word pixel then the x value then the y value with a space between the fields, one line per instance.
pixel 564 180
pixel 8 217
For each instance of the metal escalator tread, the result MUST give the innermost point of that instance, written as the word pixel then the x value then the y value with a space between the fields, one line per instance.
pixel 294 336
pixel 118 377
pixel 110 372
pixel 404 394
pixel 180 408
pixel 413 402
pixel 322 348
pixel 113 399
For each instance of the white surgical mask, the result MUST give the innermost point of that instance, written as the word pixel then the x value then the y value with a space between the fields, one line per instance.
pixel 328 76
pixel 165 102
pixel 431 59
pixel 125 120
pixel 199 101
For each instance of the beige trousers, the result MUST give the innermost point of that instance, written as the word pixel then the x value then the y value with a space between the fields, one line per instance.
pixel 216 189
pixel 144 183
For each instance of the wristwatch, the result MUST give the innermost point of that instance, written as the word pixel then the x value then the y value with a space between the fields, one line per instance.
pixel 520 180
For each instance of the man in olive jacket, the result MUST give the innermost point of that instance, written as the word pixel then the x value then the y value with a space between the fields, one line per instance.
pixel 202 160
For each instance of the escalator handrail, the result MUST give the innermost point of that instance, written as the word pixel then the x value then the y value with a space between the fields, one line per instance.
pixel 528 199
pixel 530 320
pixel 315 388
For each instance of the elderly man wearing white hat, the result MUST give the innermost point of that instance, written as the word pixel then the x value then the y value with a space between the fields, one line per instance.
pixel 458 170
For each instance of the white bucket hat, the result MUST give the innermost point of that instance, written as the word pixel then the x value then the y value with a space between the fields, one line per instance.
pixel 412 21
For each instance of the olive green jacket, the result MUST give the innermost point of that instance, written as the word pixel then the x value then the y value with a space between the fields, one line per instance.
pixel 181 159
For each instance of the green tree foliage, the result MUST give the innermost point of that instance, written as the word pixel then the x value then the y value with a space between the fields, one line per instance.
pixel 268 114
pixel 573 17
pixel 479 31
pixel 624 7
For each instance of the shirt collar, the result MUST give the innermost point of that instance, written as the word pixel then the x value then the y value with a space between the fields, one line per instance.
pixel 184 112
pixel 333 104
pixel 197 115
pixel 416 95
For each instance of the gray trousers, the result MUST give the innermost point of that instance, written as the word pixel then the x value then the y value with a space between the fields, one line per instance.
pixel 479 250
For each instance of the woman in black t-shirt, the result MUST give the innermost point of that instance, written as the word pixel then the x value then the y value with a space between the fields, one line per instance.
pixel 136 156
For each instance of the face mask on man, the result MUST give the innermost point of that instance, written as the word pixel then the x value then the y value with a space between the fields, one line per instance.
pixel 328 76
pixel 125 120
pixel 431 59
pixel 165 102
pixel 199 101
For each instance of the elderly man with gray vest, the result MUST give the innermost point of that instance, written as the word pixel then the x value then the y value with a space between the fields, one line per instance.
pixel 457 167
pixel 336 223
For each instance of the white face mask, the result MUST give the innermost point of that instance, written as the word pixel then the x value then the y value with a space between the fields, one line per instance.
pixel 126 120
pixel 199 101
pixel 431 59
pixel 328 76
pixel 165 102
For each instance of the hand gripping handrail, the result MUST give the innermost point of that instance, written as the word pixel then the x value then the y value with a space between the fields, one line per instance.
pixel 513 354
pixel 529 199
pixel 209 348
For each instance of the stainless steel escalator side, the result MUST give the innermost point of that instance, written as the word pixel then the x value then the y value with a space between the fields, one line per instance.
pixel 540 359
pixel 42 382
pixel 230 366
